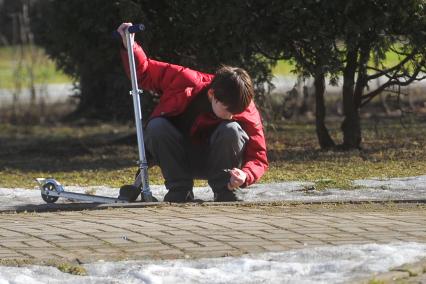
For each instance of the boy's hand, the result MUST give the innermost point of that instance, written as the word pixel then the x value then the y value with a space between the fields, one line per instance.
pixel 122 31
pixel 238 177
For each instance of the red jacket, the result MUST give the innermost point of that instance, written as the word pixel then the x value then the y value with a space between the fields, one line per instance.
pixel 178 85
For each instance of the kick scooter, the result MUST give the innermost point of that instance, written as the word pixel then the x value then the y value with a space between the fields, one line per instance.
pixel 52 190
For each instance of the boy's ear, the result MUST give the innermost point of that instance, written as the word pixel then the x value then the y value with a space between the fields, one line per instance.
pixel 210 93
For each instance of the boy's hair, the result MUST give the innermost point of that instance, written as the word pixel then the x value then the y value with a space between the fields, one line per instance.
pixel 233 87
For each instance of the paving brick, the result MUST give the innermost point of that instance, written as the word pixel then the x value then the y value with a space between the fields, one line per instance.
pixel 200 231
pixel 36 243
pixel 15 244
pixel 184 245
pixel 70 244
pixel 38 253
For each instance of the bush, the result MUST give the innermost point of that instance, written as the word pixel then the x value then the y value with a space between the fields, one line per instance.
pixel 197 34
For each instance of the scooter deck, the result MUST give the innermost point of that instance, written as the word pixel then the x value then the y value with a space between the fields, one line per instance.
pixel 86 197
pixel 51 190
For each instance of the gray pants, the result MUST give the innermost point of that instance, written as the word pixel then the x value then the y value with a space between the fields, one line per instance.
pixel 181 161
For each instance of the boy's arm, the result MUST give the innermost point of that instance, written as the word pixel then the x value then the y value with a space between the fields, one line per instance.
pixel 255 161
pixel 161 77
pixel 154 75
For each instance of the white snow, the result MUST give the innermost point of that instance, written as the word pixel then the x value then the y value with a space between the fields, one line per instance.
pixel 407 183
pixel 312 265
pixel 373 189
pixel 338 264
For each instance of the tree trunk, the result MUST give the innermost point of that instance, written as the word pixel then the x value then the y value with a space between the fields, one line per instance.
pixel 351 126
pixel 324 138
pixel 361 81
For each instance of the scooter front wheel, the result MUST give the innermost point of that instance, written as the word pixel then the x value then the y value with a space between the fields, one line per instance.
pixel 50 186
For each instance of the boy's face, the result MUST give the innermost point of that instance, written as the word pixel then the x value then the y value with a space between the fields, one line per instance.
pixel 219 109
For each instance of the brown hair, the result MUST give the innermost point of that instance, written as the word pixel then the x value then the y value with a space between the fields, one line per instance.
pixel 233 87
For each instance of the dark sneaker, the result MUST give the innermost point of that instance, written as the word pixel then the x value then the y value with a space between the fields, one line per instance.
pixel 225 196
pixel 129 193
pixel 180 196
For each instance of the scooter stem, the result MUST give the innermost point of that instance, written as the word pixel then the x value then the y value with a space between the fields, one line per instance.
pixel 143 164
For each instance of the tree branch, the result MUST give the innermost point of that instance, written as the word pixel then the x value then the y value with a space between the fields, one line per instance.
pixel 381 73
pixel 264 53
pixel 394 80
pixel 399 52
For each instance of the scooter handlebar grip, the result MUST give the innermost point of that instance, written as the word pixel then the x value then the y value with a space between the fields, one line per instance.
pixel 136 28
pixel 132 29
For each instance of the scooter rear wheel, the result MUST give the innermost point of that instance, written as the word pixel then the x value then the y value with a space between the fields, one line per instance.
pixel 50 186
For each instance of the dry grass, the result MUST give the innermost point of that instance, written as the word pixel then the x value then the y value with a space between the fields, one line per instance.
pixel 93 154
pixel 390 149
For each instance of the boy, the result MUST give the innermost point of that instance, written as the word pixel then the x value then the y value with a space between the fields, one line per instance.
pixel 204 126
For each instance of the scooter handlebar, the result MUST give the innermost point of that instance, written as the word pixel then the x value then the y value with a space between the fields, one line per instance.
pixel 136 28
pixel 132 29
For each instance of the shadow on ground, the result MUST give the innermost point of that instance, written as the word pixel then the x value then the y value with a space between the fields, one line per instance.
pixel 65 149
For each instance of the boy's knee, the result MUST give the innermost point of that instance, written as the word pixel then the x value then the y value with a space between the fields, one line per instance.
pixel 157 126
pixel 230 132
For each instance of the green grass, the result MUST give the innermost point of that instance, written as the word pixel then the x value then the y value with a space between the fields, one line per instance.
pixel 45 70
pixel 72 269
pixel 375 281
pixel 65 267
pixel 285 67
pixel 93 154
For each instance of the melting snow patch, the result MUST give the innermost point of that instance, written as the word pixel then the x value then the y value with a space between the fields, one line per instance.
pixel 373 189
pixel 338 264
pixel 407 183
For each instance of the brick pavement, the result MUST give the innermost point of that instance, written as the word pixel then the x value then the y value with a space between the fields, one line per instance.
pixel 193 231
